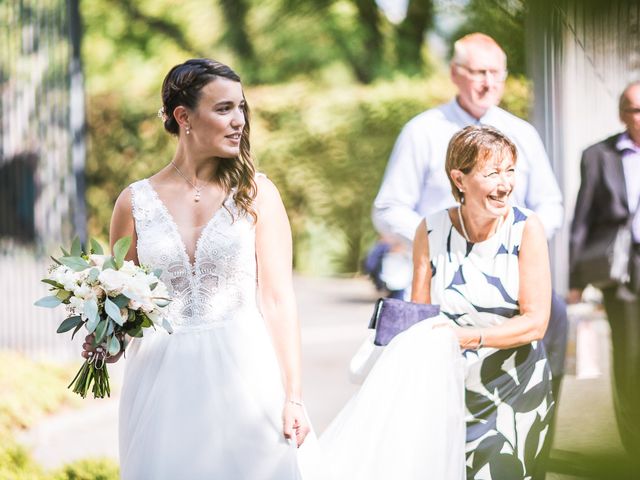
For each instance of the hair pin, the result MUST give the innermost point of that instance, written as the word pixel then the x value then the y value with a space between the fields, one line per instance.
pixel 162 114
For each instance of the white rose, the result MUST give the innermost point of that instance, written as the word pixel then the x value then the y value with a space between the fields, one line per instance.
pixel 160 290
pixel 77 304
pixel 137 288
pixel 97 260
pixel 156 317
pixel 130 268
pixel 69 280
pixel 83 291
pixel 97 292
pixel 113 281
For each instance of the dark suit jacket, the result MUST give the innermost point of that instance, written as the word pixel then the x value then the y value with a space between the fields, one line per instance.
pixel 601 206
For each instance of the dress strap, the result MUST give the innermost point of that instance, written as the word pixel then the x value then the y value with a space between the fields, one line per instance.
pixel 142 202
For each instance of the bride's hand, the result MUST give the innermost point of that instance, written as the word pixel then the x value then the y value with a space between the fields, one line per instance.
pixel 88 350
pixel 295 422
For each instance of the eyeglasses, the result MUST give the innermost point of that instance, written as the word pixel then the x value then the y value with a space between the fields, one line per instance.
pixel 481 74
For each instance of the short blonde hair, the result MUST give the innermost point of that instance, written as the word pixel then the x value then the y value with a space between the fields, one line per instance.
pixel 473 146
pixel 460 53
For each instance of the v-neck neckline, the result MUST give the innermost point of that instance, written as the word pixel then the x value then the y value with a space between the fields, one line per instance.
pixel 192 264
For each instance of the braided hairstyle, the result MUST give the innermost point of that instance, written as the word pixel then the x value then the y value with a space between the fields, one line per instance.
pixel 182 87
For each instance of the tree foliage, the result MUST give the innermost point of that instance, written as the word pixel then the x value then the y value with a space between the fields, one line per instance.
pixel 269 41
pixel 504 20
pixel 323 82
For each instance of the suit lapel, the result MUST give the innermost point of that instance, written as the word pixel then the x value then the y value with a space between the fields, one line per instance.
pixel 614 173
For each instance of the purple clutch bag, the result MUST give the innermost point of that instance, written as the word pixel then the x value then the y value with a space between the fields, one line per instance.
pixel 392 316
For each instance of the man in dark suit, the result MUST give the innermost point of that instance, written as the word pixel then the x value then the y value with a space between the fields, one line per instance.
pixel 609 196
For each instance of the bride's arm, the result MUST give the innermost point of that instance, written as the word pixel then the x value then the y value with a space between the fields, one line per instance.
pixel 421 285
pixel 277 299
pixel 122 224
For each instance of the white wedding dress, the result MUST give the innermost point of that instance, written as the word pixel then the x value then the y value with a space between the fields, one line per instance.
pixel 206 401
pixel 407 420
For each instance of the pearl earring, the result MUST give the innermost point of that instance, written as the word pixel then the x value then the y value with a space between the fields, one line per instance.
pixel 188 130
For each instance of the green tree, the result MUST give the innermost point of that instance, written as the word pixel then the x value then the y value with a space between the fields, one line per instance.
pixel 504 20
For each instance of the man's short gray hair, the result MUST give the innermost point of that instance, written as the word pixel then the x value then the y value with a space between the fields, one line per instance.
pixel 460 53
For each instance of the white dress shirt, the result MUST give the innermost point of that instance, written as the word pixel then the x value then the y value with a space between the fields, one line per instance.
pixel 631 167
pixel 415 183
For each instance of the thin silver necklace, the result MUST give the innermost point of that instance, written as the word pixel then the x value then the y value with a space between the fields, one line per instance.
pixel 464 230
pixel 196 188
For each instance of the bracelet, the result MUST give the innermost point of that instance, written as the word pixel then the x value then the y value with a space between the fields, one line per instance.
pixel 480 342
pixel 295 402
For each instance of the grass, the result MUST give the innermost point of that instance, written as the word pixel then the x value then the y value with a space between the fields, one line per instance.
pixel 29 391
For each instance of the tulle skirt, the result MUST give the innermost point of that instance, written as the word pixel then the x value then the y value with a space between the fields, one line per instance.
pixel 205 404
pixel 407 420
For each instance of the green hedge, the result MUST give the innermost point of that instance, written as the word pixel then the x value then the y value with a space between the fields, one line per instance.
pixel 325 147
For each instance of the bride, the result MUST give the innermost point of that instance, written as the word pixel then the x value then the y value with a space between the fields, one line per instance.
pixel 221 396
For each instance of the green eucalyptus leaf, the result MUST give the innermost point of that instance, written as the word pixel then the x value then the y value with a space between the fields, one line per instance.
pixel 76 248
pixel 90 309
pixel 121 300
pixel 55 260
pixel 77 264
pixel 153 286
pixel 146 321
pixel 63 295
pixel 113 347
pixel 161 301
pixel 96 247
pixel 64 252
pixel 110 328
pixel 120 250
pixel 101 331
pixel 92 323
pixel 109 263
pixel 53 283
pixel 48 302
pixel 136 332
pixel 157 272
pixel 76 330
pixel 166 324
pixel 93 275
pixel 69 323
pixel 113 311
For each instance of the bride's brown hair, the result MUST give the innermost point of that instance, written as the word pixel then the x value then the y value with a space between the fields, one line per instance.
pixel 182 86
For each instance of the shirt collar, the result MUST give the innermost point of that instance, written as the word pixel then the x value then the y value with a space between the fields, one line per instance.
pixel 625 144
pixel 467 119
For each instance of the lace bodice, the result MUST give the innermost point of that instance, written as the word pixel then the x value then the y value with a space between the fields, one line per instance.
pixel 222 279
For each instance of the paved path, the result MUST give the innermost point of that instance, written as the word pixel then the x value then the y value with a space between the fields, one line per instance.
pixel 334 314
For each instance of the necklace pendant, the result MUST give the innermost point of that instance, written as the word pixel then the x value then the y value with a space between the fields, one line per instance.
pixel 197 197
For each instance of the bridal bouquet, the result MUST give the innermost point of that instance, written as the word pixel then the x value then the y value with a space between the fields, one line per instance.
pixel 110 297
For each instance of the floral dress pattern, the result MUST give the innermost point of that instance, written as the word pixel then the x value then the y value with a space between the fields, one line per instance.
pixel 507 392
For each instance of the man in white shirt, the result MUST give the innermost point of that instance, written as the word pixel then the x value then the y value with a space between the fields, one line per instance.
pixel 415 183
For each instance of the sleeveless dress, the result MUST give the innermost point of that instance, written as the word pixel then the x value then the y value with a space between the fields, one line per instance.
pixel 206 401
pixel 507 392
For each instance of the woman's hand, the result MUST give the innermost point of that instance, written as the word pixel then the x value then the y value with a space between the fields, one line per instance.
pixel 88 350
pixel 295 422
